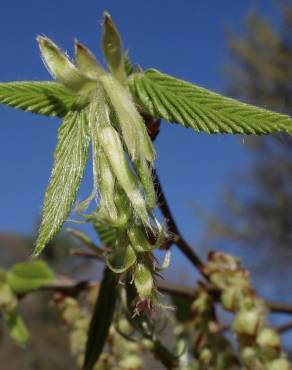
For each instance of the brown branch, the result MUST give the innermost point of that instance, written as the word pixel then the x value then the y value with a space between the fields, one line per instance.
pixel 70 286
pixel 175 235
pixel 285 327
pixel 280 307
pixel 87 254
pixel 187 293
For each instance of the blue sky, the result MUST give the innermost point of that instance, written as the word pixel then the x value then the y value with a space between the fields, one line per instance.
pixel 182 38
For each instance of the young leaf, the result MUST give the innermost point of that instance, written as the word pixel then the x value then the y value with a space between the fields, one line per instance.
pixel 110 141
pixel 86 61
pixel 60 67
pixel 101 318
pixel 69 162
pixel 107 234
pixel 112 48
pixel 144 171
pixel 131 123
pixel 107 184
pixel 47 98
pixel 27 276
pixel 178 101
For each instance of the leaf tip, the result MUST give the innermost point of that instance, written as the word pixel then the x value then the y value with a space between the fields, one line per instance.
pixel 38 248
pixel 106 17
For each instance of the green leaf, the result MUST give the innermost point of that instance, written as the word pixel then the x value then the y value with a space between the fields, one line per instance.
pixel 178 101
pixel 101 318
pixel 129 68
pixel 17 328
pixel 28 276
pixel 70 159
pixel 107 234
pixel 47 98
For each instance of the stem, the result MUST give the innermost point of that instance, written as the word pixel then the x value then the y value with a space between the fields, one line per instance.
pixel 176 237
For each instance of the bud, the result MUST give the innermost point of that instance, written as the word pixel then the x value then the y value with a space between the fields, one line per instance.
pixel 143 280
pixel 132 362
pixel 61 68
pixel 112 47
pixel 218 261
pixel 203 303
pixel 250 358
pixel 71 310
pixel 279 364
pixel 86 61
pixel 230 299
pixel 148 344
pixel 269 342
pixel 268 337
pixel 205 357
pixel 247 322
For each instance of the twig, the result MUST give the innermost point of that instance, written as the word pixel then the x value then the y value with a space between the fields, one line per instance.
pixel 285 327
pixel 85 240
pixel 177 237
pixel 87 254
pixel 279 307
pixel 184 292
pixel 69 286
